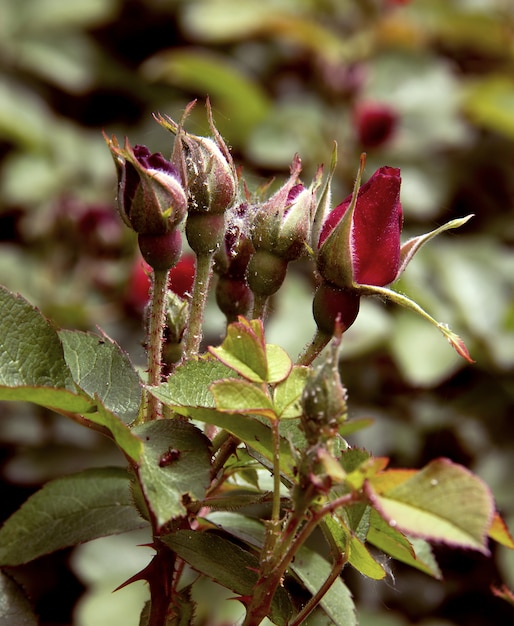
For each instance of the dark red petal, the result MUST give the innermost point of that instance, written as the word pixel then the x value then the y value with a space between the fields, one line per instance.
pixel 154 161
pixel 333 219
pixel 377 224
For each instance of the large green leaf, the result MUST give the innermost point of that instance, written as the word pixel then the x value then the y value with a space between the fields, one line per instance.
pixel 414 552
pixel 347 541
pixel 288 393
pixel 68 511
pixel 175 463
pixel 313 570
pixel 443 502
pixel 245 351
pixel 32 364
pixel 37 366
pixel 228 564
pixel 240 396
pixel 15 609
pixel 121 433
pixel 189 384
pixel 103 370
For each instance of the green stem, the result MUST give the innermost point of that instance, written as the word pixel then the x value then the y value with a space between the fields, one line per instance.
pixel 275 512
pixel 313 348
pixel 284 552
pixel 155 340
pixel 200 292
pixel 225 449
pixel 260 305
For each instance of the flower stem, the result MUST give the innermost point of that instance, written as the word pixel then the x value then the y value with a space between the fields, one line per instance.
pixel 200 292
pixel 313 348
pixel 260 305
pixel 155 340
pixel 275 513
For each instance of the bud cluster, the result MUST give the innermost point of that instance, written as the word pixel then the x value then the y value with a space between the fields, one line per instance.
pixel 355 247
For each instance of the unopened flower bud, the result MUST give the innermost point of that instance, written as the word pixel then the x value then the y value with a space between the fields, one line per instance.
pixel 208 171
pixel 282 225
pixel 266 273
pixel 324 401
pixel 233 295
pixel 360 239
pixel 151 198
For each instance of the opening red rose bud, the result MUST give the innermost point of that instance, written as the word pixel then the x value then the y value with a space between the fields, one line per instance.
pixel 363 246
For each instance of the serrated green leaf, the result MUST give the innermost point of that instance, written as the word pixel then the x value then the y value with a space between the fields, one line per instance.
pixel 189 384
pixel 416 553
pixel 361 559
pixel 279 363
pixel 33 368
pixel 240 396
pixel 348 542
pixel 101 368
pixel 32 365
pixel 68 511
pixel 15 609
pixel 443 502
pixel 126 439
pixel 175 462
pixel 227 564
pixel 244 350
pixel 288 393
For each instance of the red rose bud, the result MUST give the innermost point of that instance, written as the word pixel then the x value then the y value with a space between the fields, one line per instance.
pixel 232 258
pixel 375 123
pixel 206 165
pixel 151 199
pixel 280 231
pixel 359 242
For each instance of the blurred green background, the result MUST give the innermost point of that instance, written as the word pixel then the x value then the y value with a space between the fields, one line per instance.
pixel 426 85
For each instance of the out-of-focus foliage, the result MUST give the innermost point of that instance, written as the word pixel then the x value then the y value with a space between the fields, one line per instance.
pixel 283 76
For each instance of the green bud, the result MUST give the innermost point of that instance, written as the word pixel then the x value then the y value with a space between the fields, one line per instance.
pixel 266 273
pixel 324 400
pixel 206 166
